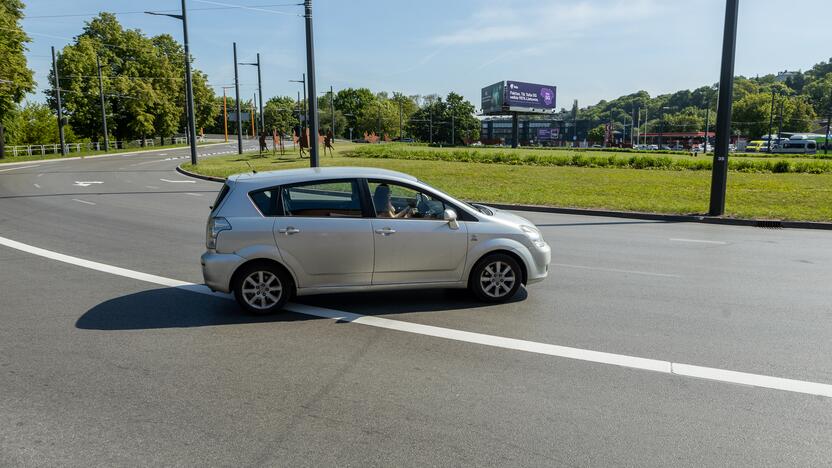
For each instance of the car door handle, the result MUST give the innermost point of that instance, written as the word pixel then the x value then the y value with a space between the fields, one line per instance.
pixel 385 231
pixel 289 230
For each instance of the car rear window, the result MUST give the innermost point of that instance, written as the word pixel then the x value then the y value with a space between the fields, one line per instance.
pixel 221 196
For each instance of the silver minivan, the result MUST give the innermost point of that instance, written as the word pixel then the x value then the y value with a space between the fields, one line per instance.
pixel 275 235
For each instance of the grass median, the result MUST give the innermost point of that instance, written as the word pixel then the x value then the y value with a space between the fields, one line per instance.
pixel 789 196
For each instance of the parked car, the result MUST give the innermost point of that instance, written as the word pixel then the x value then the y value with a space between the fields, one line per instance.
pixel 275 235
pixel 757 146
pixel 677 147
pixel 653 147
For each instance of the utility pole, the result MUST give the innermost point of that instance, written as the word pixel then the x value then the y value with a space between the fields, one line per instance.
pixel 332 110
pixel 260 92
pixel 780 118
pixel 58 99
pixel 646 109
pixel 225 111
pixel 638 136
pixel 719 176
pixel 825 145
pixel 103 108
pixel 237 99
pixel 771 121
pixel 189 92
pixel 430 126
pixel 707 124
pixel 253 105
pixel 312 94
pixel 453 135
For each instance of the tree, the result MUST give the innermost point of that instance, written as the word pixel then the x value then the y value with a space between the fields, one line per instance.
pixel 34 124
pixel 143 78
pixel 597 134
pixel 752 114
pixel 689 119
pixel 15 76
pixel 439 111
pixel 354 104
pixel 280 113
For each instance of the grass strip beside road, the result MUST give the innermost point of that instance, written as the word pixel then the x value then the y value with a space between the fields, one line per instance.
pixel 799 197
pixel 572 158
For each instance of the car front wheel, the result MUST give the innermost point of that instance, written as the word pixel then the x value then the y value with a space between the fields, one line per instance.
pixel 495 278
pixel 262 289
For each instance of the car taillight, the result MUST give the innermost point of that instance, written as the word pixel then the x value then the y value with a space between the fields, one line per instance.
pixel 215 226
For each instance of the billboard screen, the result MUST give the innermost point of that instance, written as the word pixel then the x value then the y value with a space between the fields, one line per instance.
pixel 493 97
pixel 530 97
pixel 548 133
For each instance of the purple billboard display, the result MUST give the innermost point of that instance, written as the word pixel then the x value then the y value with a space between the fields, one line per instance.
pixel 529 96
pixel 547 133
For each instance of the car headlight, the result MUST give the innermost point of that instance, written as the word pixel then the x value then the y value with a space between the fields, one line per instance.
pixel 215 226
pixel 534 235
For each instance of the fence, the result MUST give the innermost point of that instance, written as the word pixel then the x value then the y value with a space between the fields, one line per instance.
pixel 54 148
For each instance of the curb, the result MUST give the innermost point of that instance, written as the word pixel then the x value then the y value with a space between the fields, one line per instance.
pixel 199 176
pixel 669 218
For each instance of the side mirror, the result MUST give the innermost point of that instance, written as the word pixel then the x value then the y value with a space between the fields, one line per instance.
pixel 450 216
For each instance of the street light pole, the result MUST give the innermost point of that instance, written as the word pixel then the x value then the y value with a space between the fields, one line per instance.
pixel 332 111
pixel 189 92
pixel 237 99
pixel 828 118
pixel 103 108
pixel 707 124
pixel 312 94
pixel 259 90
pixel 771 121
pixel 719 176
pixel 58 99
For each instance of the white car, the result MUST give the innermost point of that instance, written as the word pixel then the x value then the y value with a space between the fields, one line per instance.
pixel 275 235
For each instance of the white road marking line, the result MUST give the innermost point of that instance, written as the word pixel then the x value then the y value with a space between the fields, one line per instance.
pixel 621 360
pixel 87 184
pixel 36 185
pixel 193 194
pixel 40 175
pixel 615 270
pixel 18 167
pixel 700 241
pixel 179 181
pixel 151 186
pixel 83 201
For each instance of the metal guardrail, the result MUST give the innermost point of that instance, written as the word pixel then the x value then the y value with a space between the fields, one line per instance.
pixel 55 148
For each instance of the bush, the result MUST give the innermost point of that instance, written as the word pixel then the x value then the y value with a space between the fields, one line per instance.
pixel 654 160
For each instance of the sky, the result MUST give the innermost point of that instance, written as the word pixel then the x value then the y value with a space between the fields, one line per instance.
pixel 589 49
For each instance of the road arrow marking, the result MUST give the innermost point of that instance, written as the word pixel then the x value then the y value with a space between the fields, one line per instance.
pixel 87 184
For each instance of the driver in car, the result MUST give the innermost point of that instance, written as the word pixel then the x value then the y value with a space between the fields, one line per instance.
pixel 383 200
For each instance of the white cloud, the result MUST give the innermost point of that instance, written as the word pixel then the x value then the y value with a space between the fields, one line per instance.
pixel 546 20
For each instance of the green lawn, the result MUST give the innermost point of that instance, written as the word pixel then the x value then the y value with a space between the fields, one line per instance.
pixel 750 195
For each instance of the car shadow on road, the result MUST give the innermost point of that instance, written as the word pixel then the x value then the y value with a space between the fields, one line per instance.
pixel 177 308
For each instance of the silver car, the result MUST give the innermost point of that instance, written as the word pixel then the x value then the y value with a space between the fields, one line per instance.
pixel 275 235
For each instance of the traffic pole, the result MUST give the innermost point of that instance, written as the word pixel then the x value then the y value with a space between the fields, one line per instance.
pixel 189 87
pixel 237 98
pixel 771 121
pixel 225 114
pixel 311 93
pixel 58 100
pixel 719 175
pixel 260 93
pixel 103 108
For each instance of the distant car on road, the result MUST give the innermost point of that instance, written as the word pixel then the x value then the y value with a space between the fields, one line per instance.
pixel 275 235
pixel 757 146
pixel 653 147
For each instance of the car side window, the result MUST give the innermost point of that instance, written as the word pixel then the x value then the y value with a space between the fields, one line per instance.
pixel 322 199
pixel 265 200
pixel 391 200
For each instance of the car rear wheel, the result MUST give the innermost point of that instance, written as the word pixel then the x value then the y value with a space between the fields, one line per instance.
pixel 262 289
pixel 495 278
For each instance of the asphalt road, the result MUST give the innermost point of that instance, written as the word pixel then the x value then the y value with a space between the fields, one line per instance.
pixel 103 370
